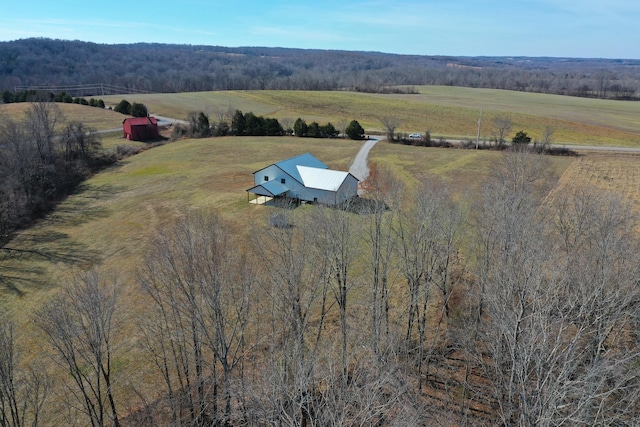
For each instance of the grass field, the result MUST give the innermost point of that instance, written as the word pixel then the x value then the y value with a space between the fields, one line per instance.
pixel 112 218
pixel 451 112
pixel 96 118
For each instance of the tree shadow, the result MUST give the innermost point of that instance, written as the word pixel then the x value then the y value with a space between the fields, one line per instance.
pixel 25 266
pixel 23 260
pixel 80 206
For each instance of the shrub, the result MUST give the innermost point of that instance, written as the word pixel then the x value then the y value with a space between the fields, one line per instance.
pixel 123 107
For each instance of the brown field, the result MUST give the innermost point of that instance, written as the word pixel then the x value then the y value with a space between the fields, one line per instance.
pixel 450 112
pixel 611 173
pixel 112 217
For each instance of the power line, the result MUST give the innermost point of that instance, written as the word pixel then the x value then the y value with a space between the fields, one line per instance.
pixel 85 90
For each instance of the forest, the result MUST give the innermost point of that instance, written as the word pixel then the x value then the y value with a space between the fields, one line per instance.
pixel 86 69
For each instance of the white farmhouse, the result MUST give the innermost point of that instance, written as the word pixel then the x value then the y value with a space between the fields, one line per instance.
pixel 304 179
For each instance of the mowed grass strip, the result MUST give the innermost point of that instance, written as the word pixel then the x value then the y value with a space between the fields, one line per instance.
pixel 450 112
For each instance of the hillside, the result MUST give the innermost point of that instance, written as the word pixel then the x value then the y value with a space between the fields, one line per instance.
pixel 445 111
pixel 64 64
pixel 402 310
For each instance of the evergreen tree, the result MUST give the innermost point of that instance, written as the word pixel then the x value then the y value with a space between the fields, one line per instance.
pixel 123 107
pixel 7 97
pixel 314 130
pixel 255 125
pixel 238 124
pixel 354 130
pixel 329 131
pixel 273 127
pixel 300 128
pixel 521 138
pixel 139 110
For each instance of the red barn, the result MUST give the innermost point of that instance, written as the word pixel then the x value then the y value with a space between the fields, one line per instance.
pixel 140 128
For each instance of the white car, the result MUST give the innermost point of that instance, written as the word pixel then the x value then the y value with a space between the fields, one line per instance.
pixel 415 136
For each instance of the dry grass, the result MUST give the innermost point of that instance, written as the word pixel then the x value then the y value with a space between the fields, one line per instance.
pixel 445 111
pixel 111 219
pixel 464 170
pixel 611 173
pixel 96 118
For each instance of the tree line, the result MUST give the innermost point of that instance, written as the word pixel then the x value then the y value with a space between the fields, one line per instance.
pixel 32 95
pixel 41 160
pixel 237 123
pixel 411 307
pixel 151 67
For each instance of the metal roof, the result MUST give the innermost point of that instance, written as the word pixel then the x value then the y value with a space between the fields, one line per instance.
pixel 137 121
pixel 290 166
pixel 321 179
pixel 269 188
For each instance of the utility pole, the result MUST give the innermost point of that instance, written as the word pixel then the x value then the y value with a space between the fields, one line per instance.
pixel 479 123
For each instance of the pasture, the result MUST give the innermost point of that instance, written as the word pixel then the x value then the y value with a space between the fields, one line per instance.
pixel 93 117
pixel 111 219
pixel 450 112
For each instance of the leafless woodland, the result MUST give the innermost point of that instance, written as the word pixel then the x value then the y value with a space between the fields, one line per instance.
pixel 414 306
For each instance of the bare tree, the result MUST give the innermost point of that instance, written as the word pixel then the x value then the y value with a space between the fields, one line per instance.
pixel 298 298
pixel 342 126
pixel 287 123
pixel 382 193
pixel 335 230
pixel 502 126
pixel 201 292
pixel 547 135
pixel 390 124
pixel 23 390
pixel 560 303
pixel 79 326
pixel 42 121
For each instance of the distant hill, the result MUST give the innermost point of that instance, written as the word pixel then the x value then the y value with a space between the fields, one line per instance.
pixel 151 67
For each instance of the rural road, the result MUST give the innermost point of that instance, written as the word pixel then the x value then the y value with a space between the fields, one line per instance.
pixel 168 120
pixel 359 167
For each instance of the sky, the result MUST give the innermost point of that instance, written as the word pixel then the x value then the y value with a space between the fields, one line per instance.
pixel 554 28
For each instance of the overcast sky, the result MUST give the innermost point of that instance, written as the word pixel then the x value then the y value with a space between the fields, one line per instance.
pixel 558 28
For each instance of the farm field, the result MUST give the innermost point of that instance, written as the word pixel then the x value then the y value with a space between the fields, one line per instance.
pixel 93 117
pixel 451 112
pixel 111 219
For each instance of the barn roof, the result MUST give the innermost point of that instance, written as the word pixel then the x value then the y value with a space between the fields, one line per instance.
pixel 321 179
pixel 290 166
pixel 138 121
pixel 269 188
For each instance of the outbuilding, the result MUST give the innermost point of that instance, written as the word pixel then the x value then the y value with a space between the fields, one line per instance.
pixel 304 178
pixel 140 128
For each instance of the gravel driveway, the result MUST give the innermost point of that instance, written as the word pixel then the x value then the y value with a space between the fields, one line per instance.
pixel 359 167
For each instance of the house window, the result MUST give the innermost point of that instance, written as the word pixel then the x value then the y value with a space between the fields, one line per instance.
pixel 282 180
pixel 266 178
